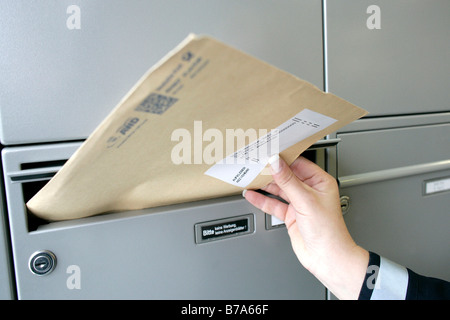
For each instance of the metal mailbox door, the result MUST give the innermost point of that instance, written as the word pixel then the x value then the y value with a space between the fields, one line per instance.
pixel 170 252
pixel 399 191
pixel 6 273
pixel 66 65
pixel 389 57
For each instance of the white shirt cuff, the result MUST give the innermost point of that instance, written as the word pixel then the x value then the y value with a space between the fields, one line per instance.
pixel 392 281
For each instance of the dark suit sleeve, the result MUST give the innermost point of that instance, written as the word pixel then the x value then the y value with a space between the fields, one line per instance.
pixel 426 288
pixel 387 280
pixel 371 277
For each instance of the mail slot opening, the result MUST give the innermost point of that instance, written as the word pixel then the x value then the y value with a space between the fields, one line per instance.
pixel 34 182
pixel 310 155
pixel 42 164
pixel 29 189
pixel 32 177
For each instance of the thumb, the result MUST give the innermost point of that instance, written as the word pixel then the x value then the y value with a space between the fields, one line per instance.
pixel 286 180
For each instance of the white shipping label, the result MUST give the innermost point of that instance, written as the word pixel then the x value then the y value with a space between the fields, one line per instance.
pixel 244 165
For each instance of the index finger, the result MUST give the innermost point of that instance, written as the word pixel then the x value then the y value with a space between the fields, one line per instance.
pixel 311 174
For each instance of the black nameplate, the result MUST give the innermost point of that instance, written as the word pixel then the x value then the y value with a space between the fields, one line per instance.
pixel 223 228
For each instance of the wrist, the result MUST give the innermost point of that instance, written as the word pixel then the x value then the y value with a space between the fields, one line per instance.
pixel 342 270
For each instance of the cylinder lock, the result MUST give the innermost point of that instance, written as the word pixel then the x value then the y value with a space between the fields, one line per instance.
pixel 345 204
pixel 42 262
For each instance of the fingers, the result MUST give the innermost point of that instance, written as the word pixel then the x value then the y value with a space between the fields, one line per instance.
pixel 297 166
pixel 274 189
pixel 296 184
pixel 285 178
pixel 266 204
pixel 304 169
pixel 312 175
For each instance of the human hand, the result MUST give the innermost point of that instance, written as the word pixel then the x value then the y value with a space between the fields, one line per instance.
pixel 315 225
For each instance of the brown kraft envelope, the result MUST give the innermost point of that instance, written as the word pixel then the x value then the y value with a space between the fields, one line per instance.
pixel 132 159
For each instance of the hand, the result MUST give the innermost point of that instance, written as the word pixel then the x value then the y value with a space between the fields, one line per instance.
pixel 315 225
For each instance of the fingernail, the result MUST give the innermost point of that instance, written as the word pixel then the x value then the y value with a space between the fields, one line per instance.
pixel 275 163
pixel 243 192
